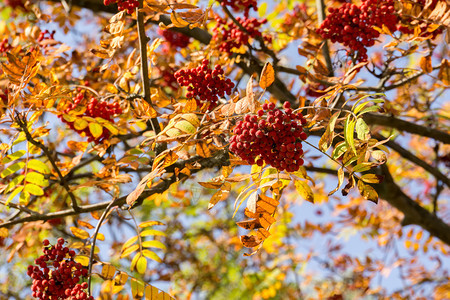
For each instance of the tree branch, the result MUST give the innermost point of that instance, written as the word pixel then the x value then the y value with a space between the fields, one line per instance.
pixel 401 125
pixel 217 161
pixel 22 122
pixel 414 159
pixel 143 40
pixel 413 212
pixel 320 5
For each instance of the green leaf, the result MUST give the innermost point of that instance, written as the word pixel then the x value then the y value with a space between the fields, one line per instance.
pixel 12 169
pixel 153 244
pixel 36 178
pixel 152 232
pixel 304 190
pixel 95 129
pixel 151 255
pixel 14 194
pixel 349 129
pixel 362 130
pixel 38 165
pixel 141 265
pixel 34 189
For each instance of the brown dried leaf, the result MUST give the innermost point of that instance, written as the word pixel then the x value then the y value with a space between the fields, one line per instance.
pixel 367 192
pixel 249 224
pixel 250 241
pixel 425 64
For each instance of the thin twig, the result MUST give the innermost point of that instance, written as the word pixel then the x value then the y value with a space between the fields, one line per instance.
pixel 21 120
pixel 94 239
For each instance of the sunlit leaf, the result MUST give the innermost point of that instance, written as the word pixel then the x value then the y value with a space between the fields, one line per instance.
pixel 80 233
pixel 304 190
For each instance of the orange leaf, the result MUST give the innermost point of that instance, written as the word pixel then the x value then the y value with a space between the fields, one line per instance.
pixel 267 76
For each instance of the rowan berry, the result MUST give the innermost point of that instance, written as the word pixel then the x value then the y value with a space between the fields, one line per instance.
pixel 128 5
pixel 204 84
pixel 93 109
pixel 275 140
pixel 358 33
pixel 61 282
pixel 229 36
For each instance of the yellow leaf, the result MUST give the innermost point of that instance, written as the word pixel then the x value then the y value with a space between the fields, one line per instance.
pixel 108 271
pixel 177 21
pixel 83 260
pixel 3 232
pixel 150 223
pixel 80 233
pixel 129 242
pixel 141 265
pixel 121 278
pixel 267 76
pixel 151 255
pixel 96 129
pixel 85 224
pixel 129 250
pixel 137 288
pixel 304 190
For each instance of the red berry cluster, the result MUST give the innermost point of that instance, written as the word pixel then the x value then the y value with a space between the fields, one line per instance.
pixel 5 46
pixel 94 109
pixel 56 275
pixel 174 38
pixel 46 35
pixel 241 5
pixel 128 5
pixel 228 35
pixel 352 25
pixel 275 140
pixel 408 23
pixel 205 84
pixel 15 3
pixel 167 78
